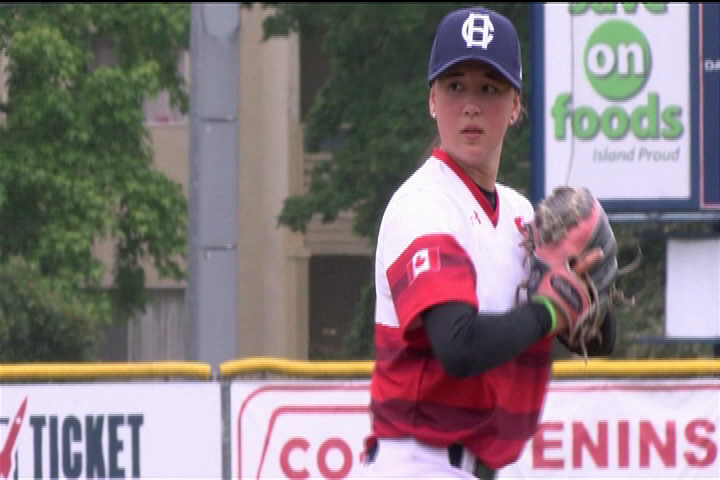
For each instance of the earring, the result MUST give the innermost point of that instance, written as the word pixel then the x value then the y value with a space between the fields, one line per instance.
pixel 432 113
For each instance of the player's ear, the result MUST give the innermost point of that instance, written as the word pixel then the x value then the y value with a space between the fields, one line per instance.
pixel 517 109
pixel 431 103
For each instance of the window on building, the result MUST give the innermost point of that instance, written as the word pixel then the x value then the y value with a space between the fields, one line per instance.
pixel 336 282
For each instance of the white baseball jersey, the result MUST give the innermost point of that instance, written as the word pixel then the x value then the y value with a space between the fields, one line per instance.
pixel 441 241
pixel 440 204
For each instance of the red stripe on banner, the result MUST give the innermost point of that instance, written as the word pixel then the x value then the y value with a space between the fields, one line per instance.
pixel 306 409
pixel 288 388
pixel 632 388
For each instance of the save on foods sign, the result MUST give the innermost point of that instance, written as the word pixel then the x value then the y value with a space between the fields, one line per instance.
pixel 618 104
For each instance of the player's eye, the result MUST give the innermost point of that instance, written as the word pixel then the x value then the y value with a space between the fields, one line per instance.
pixel 455 86
pixel 490 88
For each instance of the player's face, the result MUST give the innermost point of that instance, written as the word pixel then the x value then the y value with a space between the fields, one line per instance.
pixel 474 104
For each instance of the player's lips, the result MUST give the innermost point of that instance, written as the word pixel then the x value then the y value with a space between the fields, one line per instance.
pixel 472 130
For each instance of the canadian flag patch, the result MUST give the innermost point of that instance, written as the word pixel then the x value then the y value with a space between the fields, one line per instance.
pixel 424 260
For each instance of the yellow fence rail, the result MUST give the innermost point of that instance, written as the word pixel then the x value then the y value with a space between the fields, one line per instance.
pixel 243 366
pixel 637 368
pixel 331 369
pixel 561 368
pixel 88 371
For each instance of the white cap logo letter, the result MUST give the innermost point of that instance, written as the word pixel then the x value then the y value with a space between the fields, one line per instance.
pixel 485 29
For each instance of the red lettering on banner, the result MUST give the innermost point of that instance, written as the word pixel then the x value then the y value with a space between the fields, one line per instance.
pixel 334 443
pixel 290 445
pixel 540 444
pixel 648 436
pixel 581 438
pixel 704 443
pixel 549 451
pixel 326 447
pixel 623 444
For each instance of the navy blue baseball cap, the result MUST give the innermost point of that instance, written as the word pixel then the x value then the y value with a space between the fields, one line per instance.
pixel 477 33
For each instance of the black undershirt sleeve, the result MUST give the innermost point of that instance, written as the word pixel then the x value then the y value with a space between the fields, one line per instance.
pixel 468 343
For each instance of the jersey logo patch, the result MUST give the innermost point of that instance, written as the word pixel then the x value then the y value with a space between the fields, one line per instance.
pixel 424 260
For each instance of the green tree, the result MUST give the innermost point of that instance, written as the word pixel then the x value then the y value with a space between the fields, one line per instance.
pixel 76 162
pixel 43 320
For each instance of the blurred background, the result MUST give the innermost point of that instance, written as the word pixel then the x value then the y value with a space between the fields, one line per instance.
pixel 205 181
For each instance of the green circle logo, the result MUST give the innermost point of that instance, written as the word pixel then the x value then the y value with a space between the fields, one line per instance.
pixel 617 60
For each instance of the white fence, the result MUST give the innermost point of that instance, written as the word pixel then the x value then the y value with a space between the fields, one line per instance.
pixel 250 425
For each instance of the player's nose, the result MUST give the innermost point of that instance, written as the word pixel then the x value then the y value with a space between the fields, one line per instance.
pixel 472 109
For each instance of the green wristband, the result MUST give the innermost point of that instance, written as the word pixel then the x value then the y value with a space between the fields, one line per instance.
pixel 551 308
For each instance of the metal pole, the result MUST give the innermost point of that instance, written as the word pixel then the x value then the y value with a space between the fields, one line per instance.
pixel 211 294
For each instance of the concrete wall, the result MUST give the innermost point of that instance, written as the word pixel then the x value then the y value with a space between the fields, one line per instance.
pixel 272 261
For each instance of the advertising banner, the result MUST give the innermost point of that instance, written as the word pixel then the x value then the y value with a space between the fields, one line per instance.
pixel 620 103
pixel 317 429
pixel 590 429
pixel 626 429
pixel 111 430
pixel 299 429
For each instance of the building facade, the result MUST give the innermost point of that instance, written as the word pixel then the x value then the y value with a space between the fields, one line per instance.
pixel 296 293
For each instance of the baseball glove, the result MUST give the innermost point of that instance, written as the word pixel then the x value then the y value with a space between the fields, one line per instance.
pixel 562 242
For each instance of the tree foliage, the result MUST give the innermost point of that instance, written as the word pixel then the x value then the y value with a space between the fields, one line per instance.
pixel 42 319
pixel 76 162
pixel 373 106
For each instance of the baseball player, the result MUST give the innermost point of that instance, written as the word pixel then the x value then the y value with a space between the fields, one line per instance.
pixel 462 365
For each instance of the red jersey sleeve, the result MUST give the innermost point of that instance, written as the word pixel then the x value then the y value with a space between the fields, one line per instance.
pixel 432 270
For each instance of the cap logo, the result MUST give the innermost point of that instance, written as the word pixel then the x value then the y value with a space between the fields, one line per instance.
pixel 485 29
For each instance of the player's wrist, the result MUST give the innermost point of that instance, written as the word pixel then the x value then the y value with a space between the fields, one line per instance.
pixel 541 299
